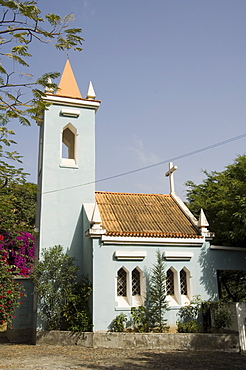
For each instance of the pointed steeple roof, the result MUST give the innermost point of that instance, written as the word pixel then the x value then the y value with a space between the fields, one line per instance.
pixel 68 86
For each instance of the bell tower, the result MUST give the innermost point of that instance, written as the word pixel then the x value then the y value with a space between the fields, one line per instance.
pixel 66 169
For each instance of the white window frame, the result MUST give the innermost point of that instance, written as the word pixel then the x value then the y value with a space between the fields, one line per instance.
pixel 122 301
pixel 69 162
pixel 138 300
pixel 186 298
pixel 130 300
pixel 173 300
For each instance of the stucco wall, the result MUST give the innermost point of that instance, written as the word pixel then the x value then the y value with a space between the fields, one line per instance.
pixel 62 195
pixel 203 268
pixel 105 267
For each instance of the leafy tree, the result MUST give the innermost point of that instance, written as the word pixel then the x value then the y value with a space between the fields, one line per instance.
pixel 18 207
pixel 156 295
pixel 232 285
pixel 222 195
pixel 22 23
pixel 55 279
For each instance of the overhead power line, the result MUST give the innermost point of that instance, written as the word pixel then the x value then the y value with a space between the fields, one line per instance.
pixel 154 164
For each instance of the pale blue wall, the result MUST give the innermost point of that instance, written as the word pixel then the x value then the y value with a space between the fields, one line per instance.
pixel 61 210
pixel 202 266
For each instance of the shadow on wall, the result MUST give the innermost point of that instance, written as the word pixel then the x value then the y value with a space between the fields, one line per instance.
pixel 213 260
pixel 208 272
pixel 75 249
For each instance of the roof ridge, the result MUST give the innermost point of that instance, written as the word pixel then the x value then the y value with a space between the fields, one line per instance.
pixel 125 193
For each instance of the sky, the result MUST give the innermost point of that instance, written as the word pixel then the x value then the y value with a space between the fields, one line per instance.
pixel 171 77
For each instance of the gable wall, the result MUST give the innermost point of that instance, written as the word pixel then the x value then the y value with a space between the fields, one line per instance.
pixel 105 267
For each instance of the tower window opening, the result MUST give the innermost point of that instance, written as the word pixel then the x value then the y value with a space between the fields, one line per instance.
pixel 68 144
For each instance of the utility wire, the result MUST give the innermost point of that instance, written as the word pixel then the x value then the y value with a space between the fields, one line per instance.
pixel 155 164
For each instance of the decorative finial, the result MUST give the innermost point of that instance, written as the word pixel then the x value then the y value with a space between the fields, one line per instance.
pixel 91 92
pixel 203 222
pixel 49 89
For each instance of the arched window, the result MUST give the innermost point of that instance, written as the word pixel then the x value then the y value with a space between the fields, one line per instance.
pixel 68 140
pixel 185 286
pixel 68 145
pixel 172 289
pixel 122 283
pixel 170 282
pixel 183 282
pixel 136 290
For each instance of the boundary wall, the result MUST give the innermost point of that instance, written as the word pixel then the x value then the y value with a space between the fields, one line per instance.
pixel 165 341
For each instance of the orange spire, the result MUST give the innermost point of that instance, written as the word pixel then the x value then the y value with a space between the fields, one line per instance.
pixel 68 86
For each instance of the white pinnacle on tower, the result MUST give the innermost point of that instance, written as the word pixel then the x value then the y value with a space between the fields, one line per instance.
pixel 91 92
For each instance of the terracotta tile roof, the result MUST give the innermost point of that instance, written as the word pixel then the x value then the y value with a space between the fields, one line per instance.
pixel 143 215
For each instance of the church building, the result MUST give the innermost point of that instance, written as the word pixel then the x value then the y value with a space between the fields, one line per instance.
pixel 115 236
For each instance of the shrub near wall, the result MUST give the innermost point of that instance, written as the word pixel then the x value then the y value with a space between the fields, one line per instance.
pixel 62 298
pixel 10 290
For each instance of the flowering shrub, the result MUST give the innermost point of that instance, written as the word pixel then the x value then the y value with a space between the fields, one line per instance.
pixel 18 249
pixel 9 290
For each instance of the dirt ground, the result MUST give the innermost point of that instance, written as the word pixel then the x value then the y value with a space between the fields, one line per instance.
pixel 43 357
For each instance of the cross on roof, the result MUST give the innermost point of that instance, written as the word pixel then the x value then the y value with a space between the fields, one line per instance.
pixel 170 174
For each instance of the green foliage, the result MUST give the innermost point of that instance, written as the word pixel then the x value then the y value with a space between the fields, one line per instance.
pixel 18 207
pixel 22 24
pixel 156 295
pixel 191 311
pixel 75 311
pixel 118 324
pixel 188 316
pixel 140 319
pixel 222 315
pixel 188 327
pixel 232 285
pixel 222 196
pixel 55 279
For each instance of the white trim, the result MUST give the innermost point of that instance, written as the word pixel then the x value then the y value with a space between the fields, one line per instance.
pixel 130 255
pixel 83 103
pixel 178 256
pixel 152 240
pixel 185 209
pixel 224 248
pixel 95 233
pixel 70 112
pixel 68 162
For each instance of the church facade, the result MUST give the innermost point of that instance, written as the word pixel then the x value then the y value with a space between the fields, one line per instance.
pixel 115 236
